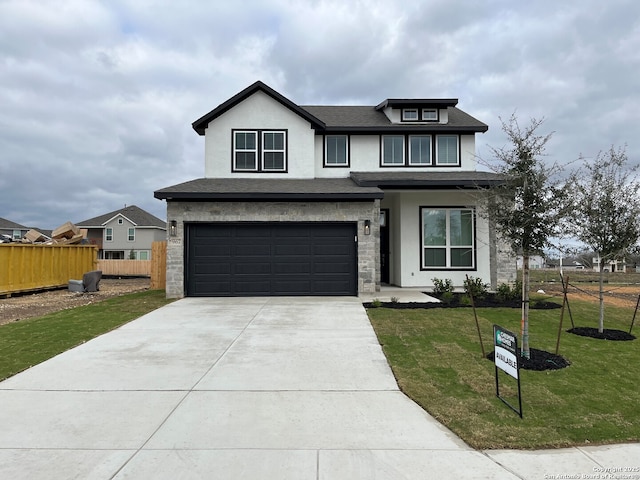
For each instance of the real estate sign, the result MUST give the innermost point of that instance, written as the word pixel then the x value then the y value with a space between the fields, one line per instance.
pixel 506 351
pixel 506 359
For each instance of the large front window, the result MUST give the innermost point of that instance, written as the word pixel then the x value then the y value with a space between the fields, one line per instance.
pixel 447 238
pixel 259 151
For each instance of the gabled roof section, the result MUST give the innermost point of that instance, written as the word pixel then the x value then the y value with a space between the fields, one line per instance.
pixel 258 189
pixel 369 119
pixel 417 102
pixel 9 225
pixel 134 214
pixel 201 124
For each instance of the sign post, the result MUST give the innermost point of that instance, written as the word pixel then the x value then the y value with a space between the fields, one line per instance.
pixel 506 359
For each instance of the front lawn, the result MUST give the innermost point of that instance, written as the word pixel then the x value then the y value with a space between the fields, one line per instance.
pixel 435 355
pixel 29 342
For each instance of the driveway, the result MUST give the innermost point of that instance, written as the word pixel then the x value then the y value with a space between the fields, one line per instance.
pixel 232 388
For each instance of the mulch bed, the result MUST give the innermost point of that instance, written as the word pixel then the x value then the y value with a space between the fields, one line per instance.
pixel 491 300
pixel 607 334
pixel 540 360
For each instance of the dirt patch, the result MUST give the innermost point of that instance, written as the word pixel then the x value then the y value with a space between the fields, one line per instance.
pixel 22 307
pixel 617 295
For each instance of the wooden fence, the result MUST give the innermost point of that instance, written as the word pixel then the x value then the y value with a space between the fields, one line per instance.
pixel 25 267
pixel 158 265
pixel 125 268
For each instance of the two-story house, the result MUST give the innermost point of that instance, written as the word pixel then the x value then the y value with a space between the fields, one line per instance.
pixel 330 200
pixel 125 234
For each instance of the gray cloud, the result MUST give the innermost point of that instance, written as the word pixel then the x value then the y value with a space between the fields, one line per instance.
pixel 97 97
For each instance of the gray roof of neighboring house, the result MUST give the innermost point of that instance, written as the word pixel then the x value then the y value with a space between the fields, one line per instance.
pixel 316 189
pixel 459 179
pixel 139 217
pixel 8 224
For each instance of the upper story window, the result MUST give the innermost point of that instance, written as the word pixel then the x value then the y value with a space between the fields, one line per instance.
pixel 336 151
pixel 419 151
pixel 108 234
pixel 447 150
pixel 259 151
pixel 120 221
pixel 17 234
pixel 131 235
pixel 392 150
pixel 409 114
pixel 430 114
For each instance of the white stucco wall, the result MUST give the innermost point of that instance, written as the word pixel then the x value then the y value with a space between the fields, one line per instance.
pixel 405 241
pixel 259 111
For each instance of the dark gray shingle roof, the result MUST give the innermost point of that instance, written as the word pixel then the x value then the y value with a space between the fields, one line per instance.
pixel 367 118
pixel 256 189
pixel 137 215
pixel 457 179
pixel 8 224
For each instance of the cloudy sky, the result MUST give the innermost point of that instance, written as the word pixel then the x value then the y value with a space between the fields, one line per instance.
pixel 97 97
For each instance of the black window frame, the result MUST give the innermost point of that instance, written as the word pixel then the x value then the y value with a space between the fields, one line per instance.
pixel 448 247
pixel 325 154
pixel 260 150
pixel 407 150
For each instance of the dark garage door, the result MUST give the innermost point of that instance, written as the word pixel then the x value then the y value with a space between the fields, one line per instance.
pixel 258 259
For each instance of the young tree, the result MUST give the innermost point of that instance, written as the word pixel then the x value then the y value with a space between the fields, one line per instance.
pixel 606 209
pixel 527 209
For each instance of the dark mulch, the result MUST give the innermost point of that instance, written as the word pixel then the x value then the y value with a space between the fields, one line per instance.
pixel 607 334
pixel 540 360
pixel 458 300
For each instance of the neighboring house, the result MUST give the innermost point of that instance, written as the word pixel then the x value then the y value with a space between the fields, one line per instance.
pixel 331 200
pixel 12 229
pixel 124 234
pixel 611 265
pixel 535 262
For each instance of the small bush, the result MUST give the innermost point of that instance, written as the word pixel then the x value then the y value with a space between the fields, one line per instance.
pixel 440 287
pixel 506 292
pixel 473 286
pixel 447 298
pixel 394 300
pixel 375 303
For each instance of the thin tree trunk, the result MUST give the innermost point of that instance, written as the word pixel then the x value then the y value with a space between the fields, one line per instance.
pixel 601 294
pixel 525 306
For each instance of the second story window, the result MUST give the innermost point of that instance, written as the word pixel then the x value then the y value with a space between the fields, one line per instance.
pixel 259 151
pixel 420 150
pixel 447 150
pixel 393 150
pixel 108 234
pixel 131 235
pixel 336 151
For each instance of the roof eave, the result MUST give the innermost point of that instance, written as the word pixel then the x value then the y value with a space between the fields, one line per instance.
pixel 257 196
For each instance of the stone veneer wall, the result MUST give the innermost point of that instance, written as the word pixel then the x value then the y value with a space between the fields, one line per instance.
pixel 368 245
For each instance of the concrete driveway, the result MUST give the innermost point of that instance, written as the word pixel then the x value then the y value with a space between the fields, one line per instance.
pixel 255 388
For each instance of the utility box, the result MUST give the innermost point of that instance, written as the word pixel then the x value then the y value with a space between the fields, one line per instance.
pixel 76 286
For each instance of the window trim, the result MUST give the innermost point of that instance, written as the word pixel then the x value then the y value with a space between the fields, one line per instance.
pixel 409 151
pixel 259 150
pixel 404 151
pixel 448 247
pixel 347 151
pixel 263 151
pixel 130 237
pixel 436 156
pixel 405 112
pixel 108 234
pixel 435 110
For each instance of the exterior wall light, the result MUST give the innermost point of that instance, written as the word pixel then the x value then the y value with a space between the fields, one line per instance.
pixel 367 227
pixel 173 228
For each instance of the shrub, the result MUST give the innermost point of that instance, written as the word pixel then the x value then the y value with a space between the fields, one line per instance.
pixel 440 287
pixel 506 292
pixel 376 303
pixel 394 300
pixel 447 298
pixel 473 286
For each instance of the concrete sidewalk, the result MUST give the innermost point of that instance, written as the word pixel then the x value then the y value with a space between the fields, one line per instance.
pixel 229 388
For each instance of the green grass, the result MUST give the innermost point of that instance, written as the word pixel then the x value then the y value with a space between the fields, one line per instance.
pixel 436 357
pixel 29 342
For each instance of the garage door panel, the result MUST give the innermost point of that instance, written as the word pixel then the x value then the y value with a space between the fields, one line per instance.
pixel 243 259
